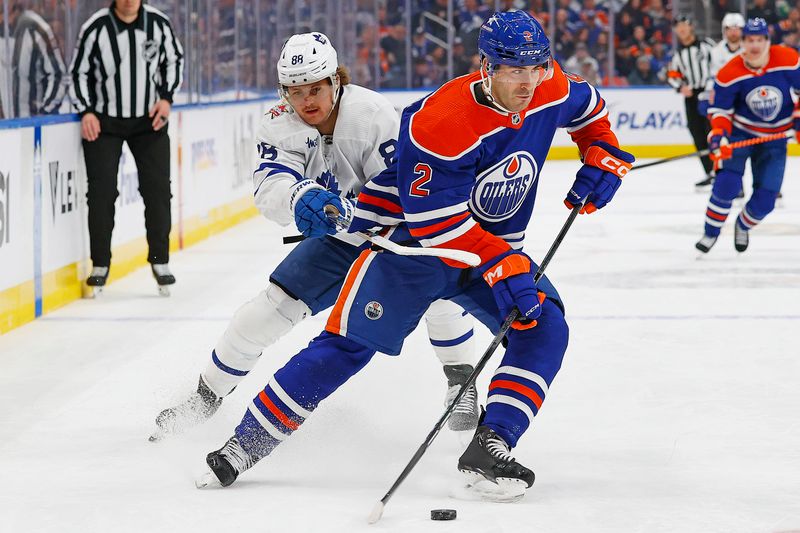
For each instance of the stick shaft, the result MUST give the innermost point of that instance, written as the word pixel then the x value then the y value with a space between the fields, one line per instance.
pixel 734 145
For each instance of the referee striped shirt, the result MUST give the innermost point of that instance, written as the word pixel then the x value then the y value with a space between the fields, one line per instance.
pixel 690 65
pixel 37 68
pixel 121 70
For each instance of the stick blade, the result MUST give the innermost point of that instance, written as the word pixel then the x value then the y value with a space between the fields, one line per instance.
pixel 376 514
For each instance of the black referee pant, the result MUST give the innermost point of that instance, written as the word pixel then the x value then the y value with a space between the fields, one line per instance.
pixel 150 150
pixel 699 128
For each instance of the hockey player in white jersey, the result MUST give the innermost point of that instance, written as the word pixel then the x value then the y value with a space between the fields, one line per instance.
pixel 317 147
pixel 723 51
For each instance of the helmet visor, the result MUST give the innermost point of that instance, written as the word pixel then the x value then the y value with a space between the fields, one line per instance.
pixel 533 76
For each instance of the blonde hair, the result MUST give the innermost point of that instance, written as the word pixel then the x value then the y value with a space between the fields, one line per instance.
pixel 344 75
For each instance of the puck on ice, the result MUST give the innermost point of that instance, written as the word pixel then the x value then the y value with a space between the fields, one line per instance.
pixel 443 514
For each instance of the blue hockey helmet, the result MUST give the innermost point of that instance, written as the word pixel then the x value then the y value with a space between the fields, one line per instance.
pixel 514 38
pixel 756 26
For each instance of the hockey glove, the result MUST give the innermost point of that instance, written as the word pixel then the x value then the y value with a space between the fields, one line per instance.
pixel 603 168
pixel 718 146
pixel 310 214
pixel 509 276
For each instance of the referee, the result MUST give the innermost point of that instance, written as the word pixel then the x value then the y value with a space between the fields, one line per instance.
pixel 126 68
pixel 688 73
pixel 37 69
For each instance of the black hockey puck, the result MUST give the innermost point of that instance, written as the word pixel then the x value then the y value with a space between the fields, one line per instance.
pixel 443 514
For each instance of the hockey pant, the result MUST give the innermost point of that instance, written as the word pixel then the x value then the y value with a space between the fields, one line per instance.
pixel 307 282
pixel 373 315
pixel 768 162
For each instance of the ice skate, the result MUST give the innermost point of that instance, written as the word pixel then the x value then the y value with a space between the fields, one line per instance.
pixel 491 472
pixel 97 280
pixel 741 238
pixel 225 465
pixel 163 277
pixel 466 413
pixel 705 244
pixel 195 410
pixel 704 183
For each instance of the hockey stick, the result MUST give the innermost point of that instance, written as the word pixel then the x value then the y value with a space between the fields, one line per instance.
pixel 461 256
pixel 733 146
pixel 468 258
pixel 377 511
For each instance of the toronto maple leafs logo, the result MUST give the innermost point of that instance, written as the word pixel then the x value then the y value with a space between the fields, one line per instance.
pixel 329 181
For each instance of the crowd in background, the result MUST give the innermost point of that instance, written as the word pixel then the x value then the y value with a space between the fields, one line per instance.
pixel 642 40
pixel 231 45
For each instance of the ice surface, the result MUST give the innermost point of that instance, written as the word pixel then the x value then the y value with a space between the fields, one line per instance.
pixel 676 408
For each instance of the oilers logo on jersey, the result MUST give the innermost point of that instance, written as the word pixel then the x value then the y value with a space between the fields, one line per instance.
pixel 500 191
pixel 765 102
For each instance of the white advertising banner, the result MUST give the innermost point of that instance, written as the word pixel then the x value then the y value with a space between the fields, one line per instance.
pixel 16 207
pixel 218 155
pixel 63 197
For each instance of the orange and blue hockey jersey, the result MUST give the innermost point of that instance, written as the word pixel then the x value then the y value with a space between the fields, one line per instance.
pixel 467 173
pixel 756 102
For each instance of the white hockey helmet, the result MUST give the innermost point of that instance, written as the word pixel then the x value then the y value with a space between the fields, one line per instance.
pixel 732 20
pixel 307 58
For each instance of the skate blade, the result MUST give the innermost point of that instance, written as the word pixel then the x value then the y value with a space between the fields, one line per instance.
pixel 207 480
pixel 506 490
pixel 163 290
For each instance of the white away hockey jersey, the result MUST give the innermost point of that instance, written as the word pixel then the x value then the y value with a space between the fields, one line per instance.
pixel 290 151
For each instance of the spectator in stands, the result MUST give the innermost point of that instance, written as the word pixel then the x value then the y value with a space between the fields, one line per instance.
pixel 643 73
pixel 420 46
pixel 422 73
pixel 576 61
pixel 462 62
pixel 599 51
pixel 624 61
pixel 564 42
pixel 471 16
pixel 393 46
pixel 660 60
pixel 589 71
pixel 764 9
pixel 623 30
pixel 639 45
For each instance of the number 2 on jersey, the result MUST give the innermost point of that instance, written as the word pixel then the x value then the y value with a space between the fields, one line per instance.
pixel 424 172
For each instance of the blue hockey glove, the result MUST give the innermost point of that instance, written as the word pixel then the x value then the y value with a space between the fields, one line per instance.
pixel 509 275
pixel 603 168
pixel 310 215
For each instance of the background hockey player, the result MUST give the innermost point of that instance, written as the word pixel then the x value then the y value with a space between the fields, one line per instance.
pixel 317 147
pixel 469 160
pixel 752 98
pixel 723 51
